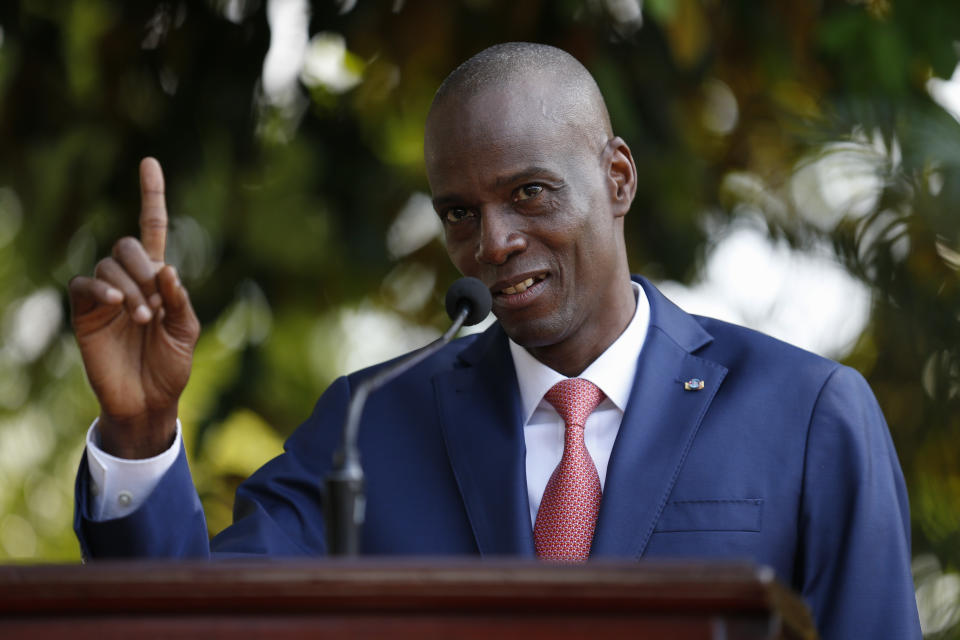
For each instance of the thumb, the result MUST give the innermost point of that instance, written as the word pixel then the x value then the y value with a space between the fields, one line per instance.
pixel 179 319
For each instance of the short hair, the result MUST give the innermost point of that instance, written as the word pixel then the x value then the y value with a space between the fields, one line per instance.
pixel 502 63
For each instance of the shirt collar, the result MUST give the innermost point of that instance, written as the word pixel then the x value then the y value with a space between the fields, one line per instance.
pixel 613 371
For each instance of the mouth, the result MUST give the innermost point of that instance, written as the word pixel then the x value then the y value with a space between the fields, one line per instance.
pixel 521 286
pixel 519 291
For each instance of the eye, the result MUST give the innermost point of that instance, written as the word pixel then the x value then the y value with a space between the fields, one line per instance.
pixel 456 214
pixel 528 191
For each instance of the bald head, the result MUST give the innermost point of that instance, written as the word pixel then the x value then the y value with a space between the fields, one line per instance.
pixel 571 96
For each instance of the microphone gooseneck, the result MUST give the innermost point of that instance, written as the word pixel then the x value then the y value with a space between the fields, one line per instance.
pixel 468 302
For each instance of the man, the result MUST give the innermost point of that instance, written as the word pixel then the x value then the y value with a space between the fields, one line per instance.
pixel 704 439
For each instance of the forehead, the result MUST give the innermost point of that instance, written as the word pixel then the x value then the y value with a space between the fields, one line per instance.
pixel 503 129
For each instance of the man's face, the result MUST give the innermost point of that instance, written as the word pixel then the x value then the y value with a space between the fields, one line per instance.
pixel 525 199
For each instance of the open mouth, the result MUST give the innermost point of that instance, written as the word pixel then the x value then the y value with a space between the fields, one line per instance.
pixel 523 285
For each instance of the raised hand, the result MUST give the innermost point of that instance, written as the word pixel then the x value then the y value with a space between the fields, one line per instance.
pixel 136 330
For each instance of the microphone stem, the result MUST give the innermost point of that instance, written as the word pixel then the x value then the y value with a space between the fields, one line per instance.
pixel 387 374
pixel 344 502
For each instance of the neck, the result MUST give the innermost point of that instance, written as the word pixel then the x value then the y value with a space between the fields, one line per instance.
pixel 578 351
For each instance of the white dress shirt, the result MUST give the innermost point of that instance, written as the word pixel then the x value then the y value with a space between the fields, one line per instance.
pixel 119 486
pixel 543 429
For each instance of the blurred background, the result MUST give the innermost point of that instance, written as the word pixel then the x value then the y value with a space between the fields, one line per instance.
pixel 798 163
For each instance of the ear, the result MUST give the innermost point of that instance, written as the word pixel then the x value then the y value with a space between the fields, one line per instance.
pixel 621 175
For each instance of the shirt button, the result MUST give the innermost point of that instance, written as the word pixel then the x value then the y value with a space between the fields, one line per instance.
pixel 124 498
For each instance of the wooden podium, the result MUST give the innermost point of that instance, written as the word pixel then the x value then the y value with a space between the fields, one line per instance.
pixel 397 599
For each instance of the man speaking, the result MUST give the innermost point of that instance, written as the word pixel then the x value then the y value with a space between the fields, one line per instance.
pixel 594 419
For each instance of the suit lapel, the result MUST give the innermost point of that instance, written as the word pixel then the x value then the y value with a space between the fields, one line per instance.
pixel 659 425
pixel 480 413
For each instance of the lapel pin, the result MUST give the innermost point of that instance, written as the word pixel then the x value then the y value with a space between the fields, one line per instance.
pixel 694 384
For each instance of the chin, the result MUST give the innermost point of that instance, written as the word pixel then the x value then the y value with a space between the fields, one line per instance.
pixel 534 334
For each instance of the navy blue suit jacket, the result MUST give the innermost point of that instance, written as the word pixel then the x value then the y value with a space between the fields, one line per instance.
pixel 783 458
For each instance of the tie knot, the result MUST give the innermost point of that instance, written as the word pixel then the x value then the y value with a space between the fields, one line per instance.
pixel 574 399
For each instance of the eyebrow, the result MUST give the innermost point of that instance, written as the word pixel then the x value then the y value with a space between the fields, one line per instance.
pixel 442 201
pixel 529 173
pixel 525 174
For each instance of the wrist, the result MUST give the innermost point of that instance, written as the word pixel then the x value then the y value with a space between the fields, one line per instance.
pixel 138 437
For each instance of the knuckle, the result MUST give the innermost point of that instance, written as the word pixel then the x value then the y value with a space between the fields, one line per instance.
pixel 75 290
pixel 153 223
pixel 124 245
pixel 103 267
pixel 154 218
pixel 152 186
pixel 133 298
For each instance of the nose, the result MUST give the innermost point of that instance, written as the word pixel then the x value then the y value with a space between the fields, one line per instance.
pixel 499 238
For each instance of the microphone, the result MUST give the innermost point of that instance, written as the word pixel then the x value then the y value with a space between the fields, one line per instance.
pixel 467 302
pixel 473 294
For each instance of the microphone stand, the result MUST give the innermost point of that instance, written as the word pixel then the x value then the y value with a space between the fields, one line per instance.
pixel 344 500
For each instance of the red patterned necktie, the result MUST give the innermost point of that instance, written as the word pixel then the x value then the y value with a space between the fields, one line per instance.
pixel 571 501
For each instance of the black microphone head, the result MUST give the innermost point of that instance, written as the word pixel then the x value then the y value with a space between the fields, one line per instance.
pixel 474 294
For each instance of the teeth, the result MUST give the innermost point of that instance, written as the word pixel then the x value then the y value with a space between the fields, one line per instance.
pixel 520 287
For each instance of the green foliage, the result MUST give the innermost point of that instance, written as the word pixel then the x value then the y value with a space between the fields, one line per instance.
pixel 281 202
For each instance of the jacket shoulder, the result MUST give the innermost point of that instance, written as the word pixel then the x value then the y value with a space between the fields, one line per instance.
pixel 489 346
pixel 736 347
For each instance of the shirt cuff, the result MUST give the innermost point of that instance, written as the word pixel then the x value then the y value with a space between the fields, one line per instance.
pixel 119 486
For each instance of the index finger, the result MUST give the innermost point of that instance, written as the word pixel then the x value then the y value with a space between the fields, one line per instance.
pixel 153 209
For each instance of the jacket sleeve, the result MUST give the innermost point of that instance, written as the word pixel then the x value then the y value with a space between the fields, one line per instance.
pixel 170 523
pixel 277 511
pixel 855 522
